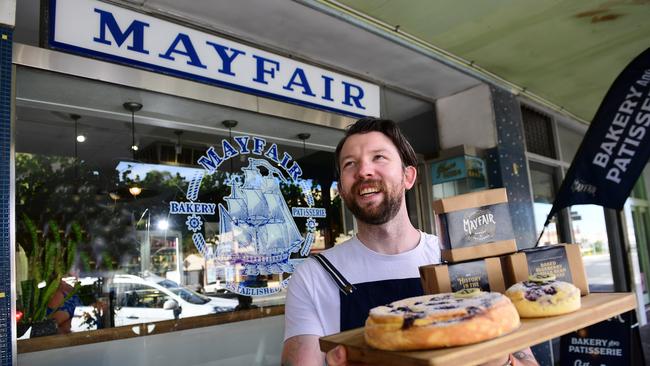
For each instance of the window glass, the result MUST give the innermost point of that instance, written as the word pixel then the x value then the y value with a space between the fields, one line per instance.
pixel 589 230
pixel 94 222
pixel 543 181
pixel 569 142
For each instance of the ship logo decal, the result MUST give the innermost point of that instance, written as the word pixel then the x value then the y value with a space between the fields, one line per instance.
pixel 258 235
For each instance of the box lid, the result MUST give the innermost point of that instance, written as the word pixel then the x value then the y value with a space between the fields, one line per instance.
pixel 470 200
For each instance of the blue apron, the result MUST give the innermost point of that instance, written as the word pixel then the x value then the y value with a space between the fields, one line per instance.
pixel 357 300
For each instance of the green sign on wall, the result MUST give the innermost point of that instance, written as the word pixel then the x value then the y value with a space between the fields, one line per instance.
pixel 456 168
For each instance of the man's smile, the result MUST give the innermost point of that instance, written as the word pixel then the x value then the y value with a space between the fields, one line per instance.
pixel 368 190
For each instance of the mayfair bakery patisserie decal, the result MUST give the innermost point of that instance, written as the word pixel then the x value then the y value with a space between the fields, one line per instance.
pixel 257 230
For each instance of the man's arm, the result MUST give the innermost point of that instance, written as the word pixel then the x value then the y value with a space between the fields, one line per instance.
pixel 524 357
pixel 302 350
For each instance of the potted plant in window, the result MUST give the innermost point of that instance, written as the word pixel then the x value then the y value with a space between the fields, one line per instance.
pixel 50 258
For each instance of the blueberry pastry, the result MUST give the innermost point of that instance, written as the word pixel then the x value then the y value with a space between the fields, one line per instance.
pixel 442 320
pixel 542 296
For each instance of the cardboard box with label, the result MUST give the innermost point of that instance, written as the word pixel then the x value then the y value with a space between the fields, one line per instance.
pixel 483 273
pixel 475 225
pixel 562 260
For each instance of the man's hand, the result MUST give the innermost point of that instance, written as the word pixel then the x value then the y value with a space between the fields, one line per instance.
pixel 524 357
pixel 338 357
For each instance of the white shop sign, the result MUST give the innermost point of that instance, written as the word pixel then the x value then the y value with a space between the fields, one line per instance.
pixel 109 32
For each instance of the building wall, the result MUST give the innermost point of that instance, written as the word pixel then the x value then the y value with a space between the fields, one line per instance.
pixel 508 167
pixel 466 118
pixel 6 250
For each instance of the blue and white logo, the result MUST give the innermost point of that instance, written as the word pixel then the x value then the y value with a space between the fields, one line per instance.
pixel 106 31
pixel 257 230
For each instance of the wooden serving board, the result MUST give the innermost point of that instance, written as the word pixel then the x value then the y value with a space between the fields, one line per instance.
pixel 595 308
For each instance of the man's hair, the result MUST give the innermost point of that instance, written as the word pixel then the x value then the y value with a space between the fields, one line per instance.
pixel 389 129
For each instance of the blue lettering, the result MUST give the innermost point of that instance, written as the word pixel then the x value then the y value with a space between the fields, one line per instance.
pixel 226 60
pixel 327 93
pixel 302 82
pixel 285 160
pixel 107 20
pixel 349 97
pixel 258 145
pixel 188 51
pixel 295 171
pixel 173 207
pixel 228 150
pixel 212 161
pixel 272 153
pixel 242 141
pixel 260 61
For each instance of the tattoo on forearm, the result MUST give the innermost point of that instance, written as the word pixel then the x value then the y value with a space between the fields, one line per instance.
pixel 520 355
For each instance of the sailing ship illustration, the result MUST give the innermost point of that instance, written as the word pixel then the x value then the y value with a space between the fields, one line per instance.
pixel 257 230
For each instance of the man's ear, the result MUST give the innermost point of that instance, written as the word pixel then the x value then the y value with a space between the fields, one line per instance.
pixel 410 175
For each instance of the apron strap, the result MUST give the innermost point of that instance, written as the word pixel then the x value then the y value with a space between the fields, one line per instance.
pixel 343 284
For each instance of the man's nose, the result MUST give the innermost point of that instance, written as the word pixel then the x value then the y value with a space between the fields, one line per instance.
pixel 366 169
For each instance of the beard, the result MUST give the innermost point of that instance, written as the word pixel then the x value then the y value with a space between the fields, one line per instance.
pixel 377 214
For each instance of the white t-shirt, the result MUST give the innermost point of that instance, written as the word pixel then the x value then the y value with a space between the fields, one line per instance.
pixel 312 304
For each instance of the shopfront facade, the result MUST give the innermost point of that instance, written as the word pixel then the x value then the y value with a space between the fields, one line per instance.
pixel 154 144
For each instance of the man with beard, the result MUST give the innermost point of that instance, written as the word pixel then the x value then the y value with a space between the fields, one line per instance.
pixel 334 291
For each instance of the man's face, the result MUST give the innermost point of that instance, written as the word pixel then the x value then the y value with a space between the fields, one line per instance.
pixel 373 179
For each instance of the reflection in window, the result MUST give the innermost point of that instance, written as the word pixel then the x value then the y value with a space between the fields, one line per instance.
pixel 543 181
pixel 130 260
pixel 590 232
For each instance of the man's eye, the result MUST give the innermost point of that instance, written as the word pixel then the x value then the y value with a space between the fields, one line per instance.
pixel 379 157
pixel 348 164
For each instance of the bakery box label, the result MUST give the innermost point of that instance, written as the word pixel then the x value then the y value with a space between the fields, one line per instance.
pixel 479 225
pixel 476 226
pixel 550 261
pixel 468 275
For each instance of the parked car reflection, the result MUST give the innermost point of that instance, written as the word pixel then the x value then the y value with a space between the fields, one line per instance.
pixel 139 300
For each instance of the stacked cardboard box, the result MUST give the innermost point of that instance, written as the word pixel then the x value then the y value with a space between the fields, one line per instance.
pixel 479 248
pixel 474 229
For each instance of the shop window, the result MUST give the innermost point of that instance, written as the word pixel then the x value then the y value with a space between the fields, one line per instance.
pixel 590 232
pixel 543 179
pixel 639 191
pixel 538 132
pixel 99 215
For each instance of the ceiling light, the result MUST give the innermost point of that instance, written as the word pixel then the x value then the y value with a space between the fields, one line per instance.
pixel 133 107
pixel 81 138
pixel 135 191
pixel 163 224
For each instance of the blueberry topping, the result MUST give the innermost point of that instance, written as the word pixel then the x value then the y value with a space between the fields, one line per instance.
pixel 434 303
pixel 534 294
pixel 550 290
pixel 408 322
pixel 473 310
pixel 446 307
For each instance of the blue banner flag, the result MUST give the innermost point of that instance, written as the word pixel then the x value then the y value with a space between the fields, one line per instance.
pixel 616 147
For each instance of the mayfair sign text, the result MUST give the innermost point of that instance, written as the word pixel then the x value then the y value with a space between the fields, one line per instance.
pixel 109 32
